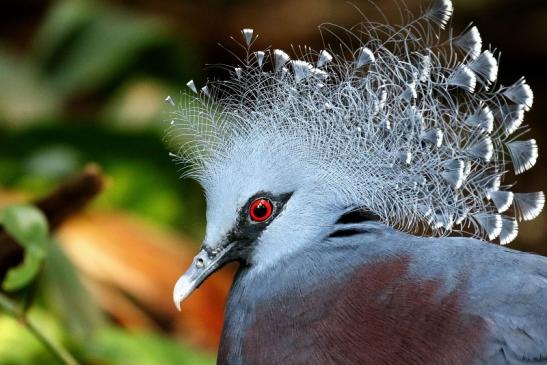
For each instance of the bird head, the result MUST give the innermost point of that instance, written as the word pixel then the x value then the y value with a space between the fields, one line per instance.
pixel 411 128
pixel 263 202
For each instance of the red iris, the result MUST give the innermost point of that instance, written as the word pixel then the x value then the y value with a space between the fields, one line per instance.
pixel 260 210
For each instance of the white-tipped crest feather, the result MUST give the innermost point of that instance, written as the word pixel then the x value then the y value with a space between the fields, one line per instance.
pixel 410 93
pixel 192 86
pixel 433 136
pixel 520 93
pixel 302 70
pixel 247 35
pixel 440 12
pixel 490 222
pixel 502 199
pixel 463 77
pixel 483 149
pixel 365 56
pixel 324 58
pixel 485 66
pixel 524 154
pixel 404 157
pixel 510 117
pixel 482 118
pixel 280 59
pixel 528 205
pixel 509 230
pixel 239 72
pixel 470 42
pixel 169 100
pixel 454 172
pixel 260 58
pixel 490 183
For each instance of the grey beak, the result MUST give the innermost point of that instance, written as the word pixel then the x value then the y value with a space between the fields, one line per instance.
pixel 203 265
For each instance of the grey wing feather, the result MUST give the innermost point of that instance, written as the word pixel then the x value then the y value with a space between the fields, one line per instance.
pixel 515 304
pixel 507 288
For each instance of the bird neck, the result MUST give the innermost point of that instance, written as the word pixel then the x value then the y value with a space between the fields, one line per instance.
pixel 298 274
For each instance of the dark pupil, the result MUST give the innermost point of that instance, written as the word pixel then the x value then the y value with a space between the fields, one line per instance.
pixel 260 210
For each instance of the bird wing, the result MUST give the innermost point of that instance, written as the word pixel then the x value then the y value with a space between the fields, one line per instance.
pixel 506 289
pixel 514 303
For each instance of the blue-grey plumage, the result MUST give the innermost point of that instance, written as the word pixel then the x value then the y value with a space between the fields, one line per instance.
pixel 313 170
pixel 436 300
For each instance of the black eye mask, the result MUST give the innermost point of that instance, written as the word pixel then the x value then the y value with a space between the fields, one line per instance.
pixel 246 230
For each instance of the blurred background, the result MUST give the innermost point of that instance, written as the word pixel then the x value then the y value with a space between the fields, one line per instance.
pixel 83 82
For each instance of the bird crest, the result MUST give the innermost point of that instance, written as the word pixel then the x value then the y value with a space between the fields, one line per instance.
pixel 407 122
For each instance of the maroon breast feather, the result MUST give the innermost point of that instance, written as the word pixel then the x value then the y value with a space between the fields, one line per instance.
pixel 380 315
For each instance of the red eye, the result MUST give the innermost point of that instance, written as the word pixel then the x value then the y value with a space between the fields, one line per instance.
pixel 260 210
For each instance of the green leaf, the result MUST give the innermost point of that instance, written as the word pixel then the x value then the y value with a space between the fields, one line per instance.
pixel 22 275
pixel 67 296
pixel 28 226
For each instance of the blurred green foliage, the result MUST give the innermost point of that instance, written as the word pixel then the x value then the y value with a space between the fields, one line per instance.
pixel 110 346
pixel 143 179
pixel 71 317
pixel 90 88
pixel 80 95
pixel 28 226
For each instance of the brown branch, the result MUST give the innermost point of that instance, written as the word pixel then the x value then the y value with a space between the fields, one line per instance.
pixel 68 199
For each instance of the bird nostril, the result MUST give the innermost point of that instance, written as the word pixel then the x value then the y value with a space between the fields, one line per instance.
pixel 200 262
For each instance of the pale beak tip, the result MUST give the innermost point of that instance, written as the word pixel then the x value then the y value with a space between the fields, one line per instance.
pixel 178 299
pixel 182 290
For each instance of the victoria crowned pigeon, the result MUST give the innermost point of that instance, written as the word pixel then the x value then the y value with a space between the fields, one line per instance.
pixel 357 186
